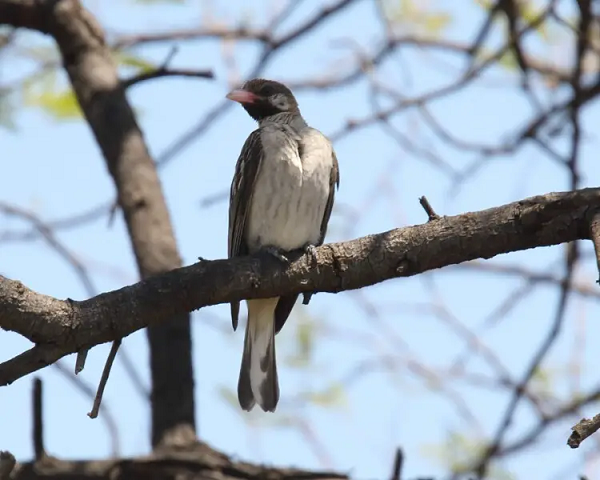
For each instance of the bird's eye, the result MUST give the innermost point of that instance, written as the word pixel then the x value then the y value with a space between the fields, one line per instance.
pixel 267 91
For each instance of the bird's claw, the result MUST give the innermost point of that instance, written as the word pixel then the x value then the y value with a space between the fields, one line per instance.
pixel 276 253
pixel 311 251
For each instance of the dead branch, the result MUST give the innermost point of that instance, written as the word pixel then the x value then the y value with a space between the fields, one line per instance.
pixel 582 430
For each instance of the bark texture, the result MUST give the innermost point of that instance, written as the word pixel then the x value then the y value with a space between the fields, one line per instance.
pixel 59 327
pixel 93 75
pixel 198 462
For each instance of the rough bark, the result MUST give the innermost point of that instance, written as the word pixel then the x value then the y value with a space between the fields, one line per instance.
pixel 198 462
pixel 93 75
pixel 60 327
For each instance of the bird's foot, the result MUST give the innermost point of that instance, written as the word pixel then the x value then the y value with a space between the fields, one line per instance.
pixel 311 251
pixel 276 253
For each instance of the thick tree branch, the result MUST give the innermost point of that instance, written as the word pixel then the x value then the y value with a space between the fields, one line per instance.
pixel 88 61
pixel 195 461
pixel 62 327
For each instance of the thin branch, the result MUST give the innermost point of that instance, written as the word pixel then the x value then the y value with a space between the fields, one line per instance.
pixel 105 374
pixel 48 235
pixel 66 223
pixel 540 355
pixel 397 467
pixel 38 420
pixel 582 430
pixel 166 72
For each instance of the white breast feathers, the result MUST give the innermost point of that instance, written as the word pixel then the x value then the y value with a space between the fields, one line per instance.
pixel 291 189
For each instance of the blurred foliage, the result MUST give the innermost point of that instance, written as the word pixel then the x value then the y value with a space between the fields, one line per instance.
pixel 461 450
pixel 7 109
pixel 301 356
pixel 56 101
pixel 417 17
pixel 46 88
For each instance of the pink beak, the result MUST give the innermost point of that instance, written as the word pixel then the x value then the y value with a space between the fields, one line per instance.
pixel 242 96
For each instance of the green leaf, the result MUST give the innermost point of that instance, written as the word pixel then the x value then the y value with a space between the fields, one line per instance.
pixel 129 60
pixel 60 105
pixel 436 22
pixel 530 13
pixel 508 60
pixel 460 451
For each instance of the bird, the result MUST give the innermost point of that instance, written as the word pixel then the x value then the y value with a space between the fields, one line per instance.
pixel 280 200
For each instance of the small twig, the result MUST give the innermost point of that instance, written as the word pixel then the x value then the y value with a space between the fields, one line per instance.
pixel 105 373
pixel 112 213
pixel 80 360
pixel 164 72
pixel 583 430
pixel 170 56
pixel 214 198
pixel 397 467
pixel 595 237
pixel 7 463
pixel 428 209
pixel 38 420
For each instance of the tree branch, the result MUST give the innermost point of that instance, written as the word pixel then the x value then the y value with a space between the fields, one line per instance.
pixel 166 72
pixel 62 327
pixel 583 430
pixel 89 63
pixel 197 461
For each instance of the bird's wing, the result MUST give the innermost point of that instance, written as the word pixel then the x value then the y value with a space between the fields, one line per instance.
pixel 240 197
pixel 334 182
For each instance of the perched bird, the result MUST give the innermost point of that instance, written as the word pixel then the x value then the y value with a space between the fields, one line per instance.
pixel 280 200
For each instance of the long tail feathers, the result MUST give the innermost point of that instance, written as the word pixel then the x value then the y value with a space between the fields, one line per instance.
pixel 258 374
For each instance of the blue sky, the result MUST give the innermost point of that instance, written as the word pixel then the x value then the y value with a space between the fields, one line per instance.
pixel 56 169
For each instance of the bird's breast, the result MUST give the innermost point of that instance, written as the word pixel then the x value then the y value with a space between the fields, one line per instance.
pixel 291 189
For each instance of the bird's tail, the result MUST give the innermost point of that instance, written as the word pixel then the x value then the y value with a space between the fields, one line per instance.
pixel 258 375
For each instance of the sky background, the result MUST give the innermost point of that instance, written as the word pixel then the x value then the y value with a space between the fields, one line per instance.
pixel 56 169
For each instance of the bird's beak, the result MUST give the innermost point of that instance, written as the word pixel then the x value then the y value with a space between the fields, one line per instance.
pixel 242 96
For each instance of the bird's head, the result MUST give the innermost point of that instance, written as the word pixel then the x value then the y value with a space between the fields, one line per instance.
pixel 263 98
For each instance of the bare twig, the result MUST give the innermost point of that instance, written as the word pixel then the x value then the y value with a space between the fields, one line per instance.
pixel 582 430
pixel 164 72
pixel 397 467
pixel 38 419
pixel 428 209
pixel 105 374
